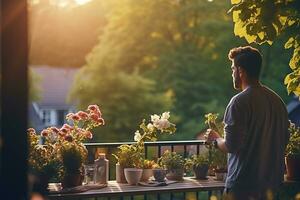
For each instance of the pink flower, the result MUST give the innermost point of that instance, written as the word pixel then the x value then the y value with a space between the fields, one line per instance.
pixel 62 134
pixel 69 116
pixel 45 133
pixel 100 121
pixel 82 115
pixel 67 126
pixel 75 117
pixel 94 117
pixel 88 135
pixel 31 130
pixel 93 107
pixel 54 129
pixel 64 130
pixel 69 138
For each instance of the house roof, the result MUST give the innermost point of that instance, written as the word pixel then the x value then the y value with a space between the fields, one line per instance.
pixel 54 85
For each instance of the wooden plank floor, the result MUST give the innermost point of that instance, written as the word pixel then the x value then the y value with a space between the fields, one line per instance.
pixel 116 189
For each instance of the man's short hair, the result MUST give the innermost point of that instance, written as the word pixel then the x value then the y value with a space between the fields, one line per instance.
pixel 247 58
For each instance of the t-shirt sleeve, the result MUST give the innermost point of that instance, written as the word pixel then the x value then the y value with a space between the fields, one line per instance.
pixel 234 120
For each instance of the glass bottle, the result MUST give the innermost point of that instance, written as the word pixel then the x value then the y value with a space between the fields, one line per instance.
pixel 102 169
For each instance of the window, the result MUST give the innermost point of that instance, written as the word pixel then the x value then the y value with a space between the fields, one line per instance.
pixel 46 117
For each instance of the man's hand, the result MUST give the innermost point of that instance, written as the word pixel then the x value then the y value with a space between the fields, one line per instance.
pixel 211 135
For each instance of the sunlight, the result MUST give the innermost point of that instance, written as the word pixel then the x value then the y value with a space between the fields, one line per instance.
pixel 81 2
pixel 62 3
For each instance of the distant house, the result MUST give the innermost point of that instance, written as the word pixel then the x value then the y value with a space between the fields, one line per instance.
pixel 52 107
pixel 293 108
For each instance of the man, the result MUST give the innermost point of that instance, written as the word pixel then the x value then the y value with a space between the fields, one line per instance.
pixel 256 131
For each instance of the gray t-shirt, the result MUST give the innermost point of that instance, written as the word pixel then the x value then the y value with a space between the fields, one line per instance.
pixel 256 134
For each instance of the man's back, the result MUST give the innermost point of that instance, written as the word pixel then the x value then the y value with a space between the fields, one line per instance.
pixel 256 127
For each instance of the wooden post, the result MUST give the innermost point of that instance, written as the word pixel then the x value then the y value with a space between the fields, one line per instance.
pixel 14 99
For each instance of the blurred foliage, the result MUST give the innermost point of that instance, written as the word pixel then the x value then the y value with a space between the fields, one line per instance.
pixel 62 36
pixel 151 56
pixel 264 21
pixel 34 86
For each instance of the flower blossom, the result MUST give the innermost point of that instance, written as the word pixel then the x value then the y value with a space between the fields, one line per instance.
pixel 75 117
pixel 83 115
pixel 45 133
pixel 31 131
pixel 69 116
pixel 165 115
pixel 137 136
pixel 88 135
pixel 162 124
pixel 69 138
pixel 54 129
pixel 150 127
pixel 154 118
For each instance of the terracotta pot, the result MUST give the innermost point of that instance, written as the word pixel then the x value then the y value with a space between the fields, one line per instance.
pixel 293 167
pixel 120 176
pixel 72 179
pixel 133 175
pixel 175 174
pixel 200 171
pixel 147 173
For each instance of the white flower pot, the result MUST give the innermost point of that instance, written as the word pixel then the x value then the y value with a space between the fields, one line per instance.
pixel 147 173
pixel 133 175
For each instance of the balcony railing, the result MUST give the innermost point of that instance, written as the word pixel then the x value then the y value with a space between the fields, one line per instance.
pixel 154 150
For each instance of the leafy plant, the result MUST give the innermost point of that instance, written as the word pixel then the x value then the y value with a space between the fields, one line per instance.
pixel 42 158
pixel 133 155
pixel 149 164
pixel 197 161
pixel 171 161
pixel 267 21
pixel 63 151
pixel 293 147
pixel 217 158
pixel 129 156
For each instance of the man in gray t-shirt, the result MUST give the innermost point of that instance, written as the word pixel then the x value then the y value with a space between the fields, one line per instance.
pixel 256 131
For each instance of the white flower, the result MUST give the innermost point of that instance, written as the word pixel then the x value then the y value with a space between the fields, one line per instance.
pixel 154 118
pixel 165 115
pixel 137 136
pixel 162 124
pixel 150 127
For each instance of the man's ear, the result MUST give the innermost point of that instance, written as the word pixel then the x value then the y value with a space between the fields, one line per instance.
pixel 241 71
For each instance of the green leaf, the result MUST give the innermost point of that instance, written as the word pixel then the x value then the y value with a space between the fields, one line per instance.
pixel 289 43
pixel 235 1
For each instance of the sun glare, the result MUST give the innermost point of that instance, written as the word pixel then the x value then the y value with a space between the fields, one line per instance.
pixel 81 2
pixel 62 3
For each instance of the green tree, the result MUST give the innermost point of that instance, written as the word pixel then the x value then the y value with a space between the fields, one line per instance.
pixel 180 48
pixel 125 99
pixel 264 21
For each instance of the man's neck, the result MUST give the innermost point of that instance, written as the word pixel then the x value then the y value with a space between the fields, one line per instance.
pixel 249 83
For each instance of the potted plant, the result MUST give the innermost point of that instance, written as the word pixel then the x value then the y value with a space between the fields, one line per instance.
pixel 199 164
pixel 70 148
pixel 147 166
pixel 292 157
pixel 42 160
pixel 131 156
pixel 217 158
pixel 174 164
pixel 65 145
